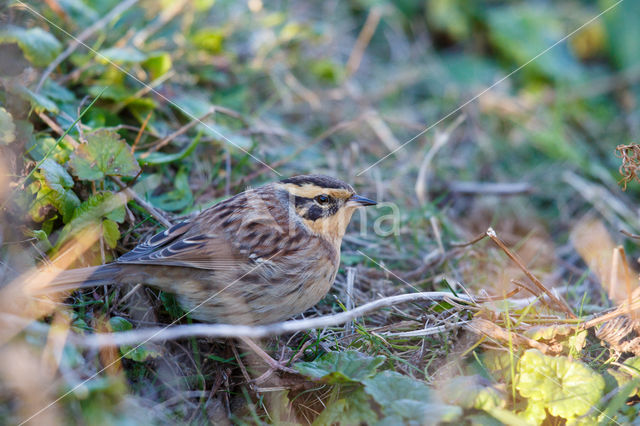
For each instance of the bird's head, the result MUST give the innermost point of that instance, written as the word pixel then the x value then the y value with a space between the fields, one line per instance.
pixel 323 203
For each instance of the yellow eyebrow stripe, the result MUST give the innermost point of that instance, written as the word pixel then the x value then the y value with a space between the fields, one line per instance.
pixel 309 191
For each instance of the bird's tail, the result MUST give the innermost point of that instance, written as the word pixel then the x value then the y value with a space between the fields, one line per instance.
pixel 58 280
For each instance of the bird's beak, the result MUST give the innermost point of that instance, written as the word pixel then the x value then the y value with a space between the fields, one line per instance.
pixel 358 201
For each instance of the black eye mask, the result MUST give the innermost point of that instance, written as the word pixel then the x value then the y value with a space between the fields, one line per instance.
pixel 314 211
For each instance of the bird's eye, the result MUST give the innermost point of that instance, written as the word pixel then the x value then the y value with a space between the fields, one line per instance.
pixel 322 199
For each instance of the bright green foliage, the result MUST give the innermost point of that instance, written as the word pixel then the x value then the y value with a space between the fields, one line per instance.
pixel 52 187
pixel 327 71
pixel 210 40
pixel 567 388
pixel 138 353
pixel 93 212
pixel 104 154
pixel 158 65
pixel 110 232
pixel 341 367
pixel 7 128
pixel 39 46
pixel 535 412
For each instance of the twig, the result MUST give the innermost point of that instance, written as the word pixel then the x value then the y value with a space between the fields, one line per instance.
pixel 159 144
pixel 470 243
pixel 98 25
pixel 368 29
pixel 228 330
pixel 140 132
pixel 560 303
pixel 497 334
pixel 157 215
pixel 440 140
pixel 630 235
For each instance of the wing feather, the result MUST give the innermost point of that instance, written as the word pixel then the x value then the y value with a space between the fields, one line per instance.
pixel 176 247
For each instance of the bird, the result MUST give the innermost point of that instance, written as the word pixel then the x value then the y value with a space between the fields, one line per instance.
pixel 261 256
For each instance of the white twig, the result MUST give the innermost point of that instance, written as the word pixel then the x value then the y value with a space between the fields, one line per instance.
pixel 228 330
pixel 349 302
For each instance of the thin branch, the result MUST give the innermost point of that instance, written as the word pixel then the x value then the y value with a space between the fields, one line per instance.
pixel 228 330
pixel 559 302
pixel 369 28
pixel 157 215
pixel 159 144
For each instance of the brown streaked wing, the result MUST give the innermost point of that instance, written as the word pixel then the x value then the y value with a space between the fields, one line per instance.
pixel 185 245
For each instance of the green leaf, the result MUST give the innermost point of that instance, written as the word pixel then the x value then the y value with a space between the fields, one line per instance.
pixel 619 401
pixel 40 47
pixel 158 65
pixel 38 101
pixel 39 147
pixel 179 198
pixel 92 212
pixel 403 397
pixel 567 388
pixel 389 386
pixel 327 71
pixel 120 324
pixel 209 39
pixel 520 32
pixel 614 379
pixel 7 127
pixel 104 154
pixel 110 232
pixel 156 158
pixel 428 413
pixel 122 55
pixel 55 175
pixel 52 189
pixel 138 353
pixel 341 367
pixel 354 408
